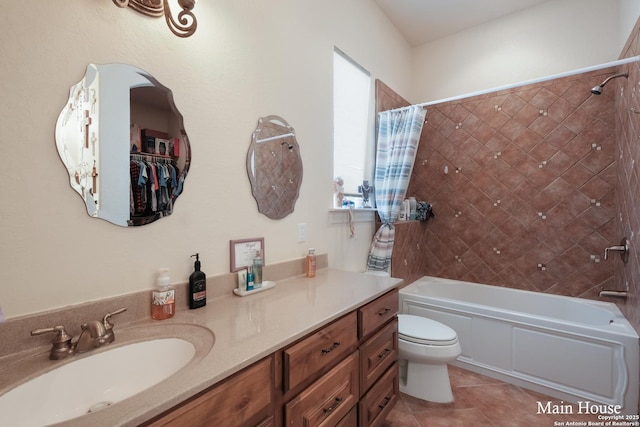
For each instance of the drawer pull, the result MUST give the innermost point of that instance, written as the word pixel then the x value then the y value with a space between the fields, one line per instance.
pixel 333 407
pixel 330 349
pixel 385 353
pixel 383 312
pixel 385 403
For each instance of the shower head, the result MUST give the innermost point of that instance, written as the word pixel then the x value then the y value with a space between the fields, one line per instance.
pixel 597 90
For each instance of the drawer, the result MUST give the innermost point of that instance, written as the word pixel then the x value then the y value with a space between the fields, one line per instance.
pixel 243 400
pixel 268 423
pixel 316 353
pixel 380 400
pixel 377 313
pixel 325 402
pixel 350 420
pixel 377 354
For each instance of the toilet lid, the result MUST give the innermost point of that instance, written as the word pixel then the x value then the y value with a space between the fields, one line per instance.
pixel 425 331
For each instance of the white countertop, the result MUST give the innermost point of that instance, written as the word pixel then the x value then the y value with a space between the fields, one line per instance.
pixel 246 330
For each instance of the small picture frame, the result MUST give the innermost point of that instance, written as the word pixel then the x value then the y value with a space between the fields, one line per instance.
pixel 243 251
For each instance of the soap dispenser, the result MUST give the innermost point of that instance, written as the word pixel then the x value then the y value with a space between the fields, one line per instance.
pixel 311 263
pixel 163 302
pixel 197 286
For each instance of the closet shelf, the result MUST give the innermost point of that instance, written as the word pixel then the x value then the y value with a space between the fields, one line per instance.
pixel 149 155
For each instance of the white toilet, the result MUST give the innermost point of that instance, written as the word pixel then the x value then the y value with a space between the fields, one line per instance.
pixel 425 347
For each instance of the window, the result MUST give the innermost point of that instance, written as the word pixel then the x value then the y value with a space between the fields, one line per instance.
pixel 353 145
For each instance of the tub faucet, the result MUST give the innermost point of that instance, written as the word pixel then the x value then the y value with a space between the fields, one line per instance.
pixel 613 294
pixel 623 248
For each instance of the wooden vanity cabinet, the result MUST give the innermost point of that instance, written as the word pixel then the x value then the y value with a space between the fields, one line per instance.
pixel 344 374
pixel 374 406
pixel 349 420
pixel 361 373
pixel 378 312
pixel 379 374
pixel 329 399
pixel 312 356
pixel 246 399
pixel 377 354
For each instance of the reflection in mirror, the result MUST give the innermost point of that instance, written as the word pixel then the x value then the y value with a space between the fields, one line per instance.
pixel 274 167
pixel 123 143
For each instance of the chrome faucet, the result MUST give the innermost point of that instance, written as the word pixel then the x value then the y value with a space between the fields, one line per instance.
pixel 623 248
pixel 613 294
pixel 94 334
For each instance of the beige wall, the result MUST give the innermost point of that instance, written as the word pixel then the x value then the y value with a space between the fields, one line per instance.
pixel 629 12
pixel 247 59
pixel 555 37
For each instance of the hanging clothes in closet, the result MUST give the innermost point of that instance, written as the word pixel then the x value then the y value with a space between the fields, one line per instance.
pixel 155 184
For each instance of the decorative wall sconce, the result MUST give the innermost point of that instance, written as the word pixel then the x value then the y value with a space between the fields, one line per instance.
pixel 185 25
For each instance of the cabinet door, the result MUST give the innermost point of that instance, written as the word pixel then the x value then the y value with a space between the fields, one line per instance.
pixel 316 353
pixel 325 402
pixel 378 312
pixel 378 402
pixel 377 354
pixel 243 400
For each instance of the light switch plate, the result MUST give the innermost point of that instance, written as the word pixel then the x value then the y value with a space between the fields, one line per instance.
pixel 302 232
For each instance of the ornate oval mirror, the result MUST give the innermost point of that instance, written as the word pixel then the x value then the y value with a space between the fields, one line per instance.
pixel 123 142
pixel 274 167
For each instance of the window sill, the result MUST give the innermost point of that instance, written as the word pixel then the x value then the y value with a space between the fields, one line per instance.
pixel 340 216
pixel 354 209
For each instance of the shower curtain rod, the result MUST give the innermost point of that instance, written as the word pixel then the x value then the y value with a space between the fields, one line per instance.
pixel 538 80
pixel 404 108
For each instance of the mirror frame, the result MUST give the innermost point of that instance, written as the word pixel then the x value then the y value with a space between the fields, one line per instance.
pixel 274 167
pixel 95 140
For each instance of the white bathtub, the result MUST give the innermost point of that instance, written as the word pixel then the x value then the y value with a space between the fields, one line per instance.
pixel 572 349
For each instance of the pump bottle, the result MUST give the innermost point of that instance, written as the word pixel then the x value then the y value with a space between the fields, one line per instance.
pixel 311 263
pixel 163 302
pixel 197 286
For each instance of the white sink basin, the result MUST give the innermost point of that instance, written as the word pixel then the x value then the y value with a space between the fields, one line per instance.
pixel 94 382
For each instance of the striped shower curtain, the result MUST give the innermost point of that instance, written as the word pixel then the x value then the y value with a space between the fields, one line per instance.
pixel 398 137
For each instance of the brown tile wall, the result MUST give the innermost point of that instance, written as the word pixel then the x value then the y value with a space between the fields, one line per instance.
pixel 529 198
pixel 628 178
pixel 547 176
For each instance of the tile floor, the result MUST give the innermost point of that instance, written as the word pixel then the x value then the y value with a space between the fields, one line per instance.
pixel 482 402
